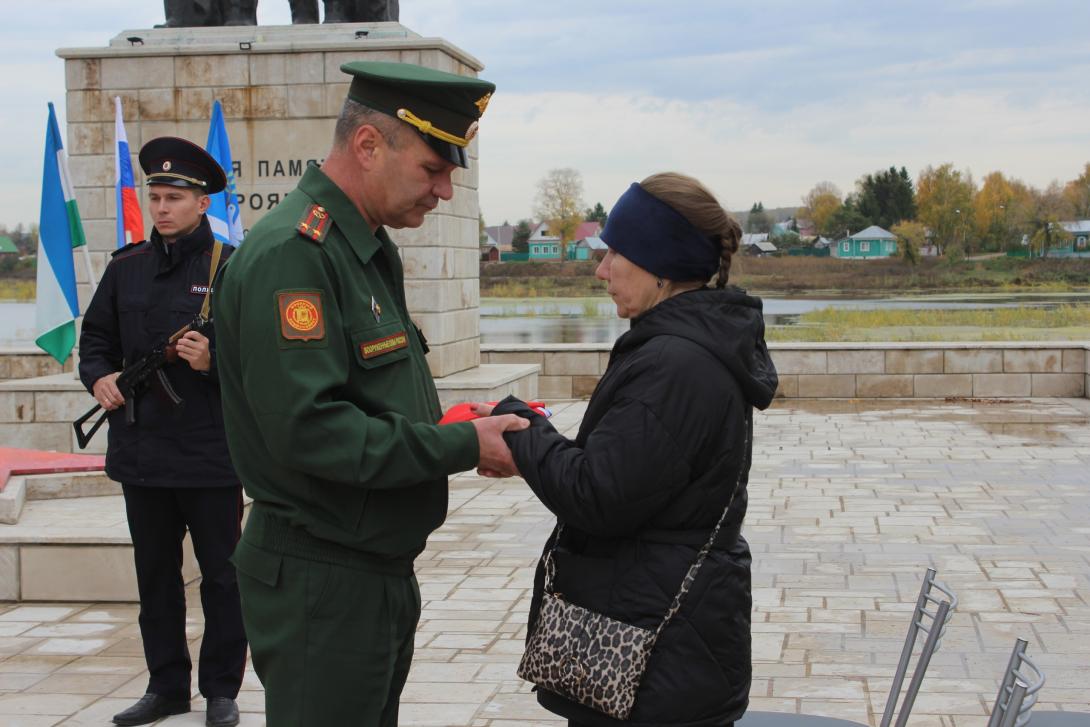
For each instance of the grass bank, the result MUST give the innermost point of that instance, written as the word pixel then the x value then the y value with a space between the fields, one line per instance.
pixel 1063 323
pixel 786 275
pixel 15 289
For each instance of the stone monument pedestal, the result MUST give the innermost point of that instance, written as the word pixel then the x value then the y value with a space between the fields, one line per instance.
pixel 281 89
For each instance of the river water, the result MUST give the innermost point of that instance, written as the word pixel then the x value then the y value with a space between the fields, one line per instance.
pixel 593 320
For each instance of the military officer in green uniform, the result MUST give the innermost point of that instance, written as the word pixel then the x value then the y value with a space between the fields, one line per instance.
pixel 330 408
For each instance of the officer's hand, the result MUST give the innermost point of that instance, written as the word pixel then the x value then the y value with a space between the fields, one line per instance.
pixel 106 392
pixel 495 459
pixel 193 347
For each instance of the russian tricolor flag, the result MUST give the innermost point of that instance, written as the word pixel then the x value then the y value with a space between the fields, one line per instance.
pixel 130 223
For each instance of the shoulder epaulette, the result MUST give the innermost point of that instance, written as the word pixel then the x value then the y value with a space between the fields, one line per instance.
pixel 128 248
pixel 314 224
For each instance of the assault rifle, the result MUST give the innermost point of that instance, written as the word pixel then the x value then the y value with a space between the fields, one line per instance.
pixel 135 377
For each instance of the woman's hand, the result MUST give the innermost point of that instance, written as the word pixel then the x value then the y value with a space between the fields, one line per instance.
pixel 481 409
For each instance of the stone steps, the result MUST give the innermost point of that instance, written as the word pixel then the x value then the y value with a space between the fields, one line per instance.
pixel 71 543
pixel 72 549
pixel 22 488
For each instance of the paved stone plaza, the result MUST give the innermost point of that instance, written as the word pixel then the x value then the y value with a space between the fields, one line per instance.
pixel 849 502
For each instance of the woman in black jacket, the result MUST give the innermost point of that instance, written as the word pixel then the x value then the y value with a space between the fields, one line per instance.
pixel 664 445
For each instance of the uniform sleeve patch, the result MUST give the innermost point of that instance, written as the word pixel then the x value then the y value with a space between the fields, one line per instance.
pixel 314 224
pixel 386 344
pixel 301 315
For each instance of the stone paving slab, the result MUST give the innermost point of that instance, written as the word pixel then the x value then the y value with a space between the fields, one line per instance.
pixel 849 502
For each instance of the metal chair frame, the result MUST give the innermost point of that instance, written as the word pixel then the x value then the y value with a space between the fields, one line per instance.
pixel 1017 695
pixel 944 610
pixel 933 623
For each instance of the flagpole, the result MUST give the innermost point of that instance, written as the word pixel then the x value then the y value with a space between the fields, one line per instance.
pixel 90 270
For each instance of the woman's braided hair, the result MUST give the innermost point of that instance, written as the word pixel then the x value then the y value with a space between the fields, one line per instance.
pixel 698 205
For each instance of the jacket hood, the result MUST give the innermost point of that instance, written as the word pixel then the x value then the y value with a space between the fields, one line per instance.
pixel 726 322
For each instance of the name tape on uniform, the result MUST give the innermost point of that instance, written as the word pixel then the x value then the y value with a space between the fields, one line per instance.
pixel 370 349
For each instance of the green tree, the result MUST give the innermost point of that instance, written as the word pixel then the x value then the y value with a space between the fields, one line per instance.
pixel 559 202
pixel 887 197
pixel 481 235
pixel 846 220
pixel 758 220
pixel 944 197
pixel 520 240
pixel 596 214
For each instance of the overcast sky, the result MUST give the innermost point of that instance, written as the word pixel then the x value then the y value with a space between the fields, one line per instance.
pixel 759 99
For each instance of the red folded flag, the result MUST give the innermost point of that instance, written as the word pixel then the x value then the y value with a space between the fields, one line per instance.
pixel 462 412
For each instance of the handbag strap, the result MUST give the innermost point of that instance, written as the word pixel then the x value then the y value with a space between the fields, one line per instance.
pixel 694 568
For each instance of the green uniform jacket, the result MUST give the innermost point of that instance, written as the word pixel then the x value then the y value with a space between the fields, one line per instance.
pixel 328 402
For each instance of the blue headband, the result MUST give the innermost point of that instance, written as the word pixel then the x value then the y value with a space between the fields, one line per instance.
pixel 658 238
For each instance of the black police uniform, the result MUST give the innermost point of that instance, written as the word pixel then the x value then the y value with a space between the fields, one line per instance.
pixel 173 463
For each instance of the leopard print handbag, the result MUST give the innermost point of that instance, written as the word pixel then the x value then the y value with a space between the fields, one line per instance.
pixel 591 658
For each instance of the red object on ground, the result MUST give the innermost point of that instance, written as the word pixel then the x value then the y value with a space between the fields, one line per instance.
pixel 462 412
pixel 38 462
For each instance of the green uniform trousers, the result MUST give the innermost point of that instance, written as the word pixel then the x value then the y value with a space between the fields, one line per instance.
pixel 332 642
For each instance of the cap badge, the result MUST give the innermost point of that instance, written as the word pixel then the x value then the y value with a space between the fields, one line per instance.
pixel 166 166
pixel 376 310
pixel 482 102
pixel 472 131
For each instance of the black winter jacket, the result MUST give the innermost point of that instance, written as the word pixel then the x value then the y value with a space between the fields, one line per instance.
pixel 660 449
pixel 148 291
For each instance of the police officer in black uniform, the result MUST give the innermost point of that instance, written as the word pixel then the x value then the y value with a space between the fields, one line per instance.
pixel 173 462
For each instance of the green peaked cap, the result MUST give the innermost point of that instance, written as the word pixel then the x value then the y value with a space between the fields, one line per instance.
pixel 443 107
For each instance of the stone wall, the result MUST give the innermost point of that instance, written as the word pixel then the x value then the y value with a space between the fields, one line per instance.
pixel 281 88
pixel 854 370
pixel 39 414
pixel 27 363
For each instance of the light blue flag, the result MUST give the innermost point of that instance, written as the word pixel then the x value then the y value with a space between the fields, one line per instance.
pixel 223 212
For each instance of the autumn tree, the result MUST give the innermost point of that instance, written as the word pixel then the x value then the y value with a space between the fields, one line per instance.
pixel 911 236
pixel 559 202
pixel 819 204
pixel 1021 210
pixel 1050 210
pixel 886 197
pixel 943 197
pixel 994 215
pixel 1077 194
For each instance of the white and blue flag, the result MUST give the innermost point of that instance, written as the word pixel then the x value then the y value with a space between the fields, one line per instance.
pixel 223 212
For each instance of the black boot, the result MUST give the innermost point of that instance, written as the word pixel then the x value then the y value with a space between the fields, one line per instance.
pixel 150 708
pixel 222 712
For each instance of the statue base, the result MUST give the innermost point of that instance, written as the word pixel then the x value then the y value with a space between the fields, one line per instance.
pixel 281 89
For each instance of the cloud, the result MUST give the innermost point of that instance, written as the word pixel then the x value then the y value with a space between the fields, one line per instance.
pixel 746 155
pixel 763 99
